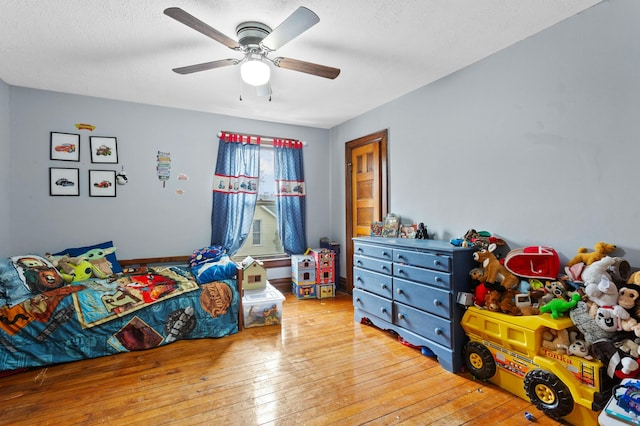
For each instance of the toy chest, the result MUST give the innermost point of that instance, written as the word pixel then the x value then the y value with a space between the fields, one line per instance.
pixel 305 291
pixel 324 291
pixel 303 269
pixel 262 307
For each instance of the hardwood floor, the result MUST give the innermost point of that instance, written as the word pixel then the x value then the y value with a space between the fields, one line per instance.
pixel 318 368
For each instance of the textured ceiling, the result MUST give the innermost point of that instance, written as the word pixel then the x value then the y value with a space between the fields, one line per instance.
pixel 385 48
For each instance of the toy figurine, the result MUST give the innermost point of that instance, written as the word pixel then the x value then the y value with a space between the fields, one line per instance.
pixel 421 233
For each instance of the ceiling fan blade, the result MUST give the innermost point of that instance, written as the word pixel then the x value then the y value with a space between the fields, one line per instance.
pixel 298 22
pixel 193 22
pixel 206 66
pixel 308 67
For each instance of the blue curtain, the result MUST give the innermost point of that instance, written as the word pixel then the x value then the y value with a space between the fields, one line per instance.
pixel 235 191
pixel 290 195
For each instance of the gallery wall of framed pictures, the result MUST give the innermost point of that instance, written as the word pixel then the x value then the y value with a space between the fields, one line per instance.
pixel 65 181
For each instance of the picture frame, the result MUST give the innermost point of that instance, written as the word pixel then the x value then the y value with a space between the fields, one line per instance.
pixel 408 230
pixel 104 149
pixel 64 146
pixel 102 183
pixel 391 226
pixel 64 181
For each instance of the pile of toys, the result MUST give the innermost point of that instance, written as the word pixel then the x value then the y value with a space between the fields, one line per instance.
pixel 596 290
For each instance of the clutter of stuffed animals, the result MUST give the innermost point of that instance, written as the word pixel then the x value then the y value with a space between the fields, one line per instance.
pixel 595 289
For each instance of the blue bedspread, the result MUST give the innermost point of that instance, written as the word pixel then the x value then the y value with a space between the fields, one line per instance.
pixel 140 310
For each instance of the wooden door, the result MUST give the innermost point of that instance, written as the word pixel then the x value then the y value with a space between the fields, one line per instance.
pixel 366 189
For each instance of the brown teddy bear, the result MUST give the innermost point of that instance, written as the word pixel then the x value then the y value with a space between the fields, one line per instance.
pixel 601 249
pixel 504 302
pixel 556 340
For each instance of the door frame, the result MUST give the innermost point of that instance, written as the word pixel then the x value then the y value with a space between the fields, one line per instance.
pixel 381 137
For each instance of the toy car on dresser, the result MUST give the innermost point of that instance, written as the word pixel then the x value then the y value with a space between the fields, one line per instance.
pixel 515 353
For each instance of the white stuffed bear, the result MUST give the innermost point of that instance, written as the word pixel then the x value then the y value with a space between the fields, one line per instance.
pixel 592 274
pixel 605 296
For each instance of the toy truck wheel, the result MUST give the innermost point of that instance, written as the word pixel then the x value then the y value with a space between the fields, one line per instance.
pixel 548 393
pixel 479 360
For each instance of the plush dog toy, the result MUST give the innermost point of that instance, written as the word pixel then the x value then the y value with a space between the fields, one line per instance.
pixel 592 274
pixel 601 249
pixel 496 275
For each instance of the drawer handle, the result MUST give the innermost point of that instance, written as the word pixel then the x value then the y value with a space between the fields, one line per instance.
pixel 359 250
pixel 385 254
pixel 358 299
pixel 358 278
pixel 401 271
pixel 384 267
pixel 399 291
pixel 359 262
pixel 439 280
pixel 437 302
pixel 439 331
pixel 437 262
pixel 401 257
pixel 383 286
pixel 401 316
pixel 383 310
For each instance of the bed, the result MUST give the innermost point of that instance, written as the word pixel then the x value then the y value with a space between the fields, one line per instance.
pixel 142 304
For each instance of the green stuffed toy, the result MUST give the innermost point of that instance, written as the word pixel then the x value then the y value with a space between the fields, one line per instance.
pixel 559 306
pixel 80 270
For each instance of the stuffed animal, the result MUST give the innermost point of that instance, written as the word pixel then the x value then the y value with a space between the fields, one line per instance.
pixel 601 249
pixel 82 272
pixel 557 307
pixel 609 318
pixel 554 290
pixel 504 302
pixel 605 293
pixel 578 347
pixel 497 276
pixel 593 273
pixel 587 324
pixel 629 299
pixel 631 347
pixel 634 278
pixel 556 340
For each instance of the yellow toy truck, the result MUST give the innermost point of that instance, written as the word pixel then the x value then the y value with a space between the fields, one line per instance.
pixel 508 351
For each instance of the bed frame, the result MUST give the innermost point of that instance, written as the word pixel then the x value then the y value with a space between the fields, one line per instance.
pixel 182 260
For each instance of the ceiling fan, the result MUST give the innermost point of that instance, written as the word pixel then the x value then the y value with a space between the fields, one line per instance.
pixel 256 41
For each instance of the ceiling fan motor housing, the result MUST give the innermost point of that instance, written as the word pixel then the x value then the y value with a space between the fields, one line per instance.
pixel 251 33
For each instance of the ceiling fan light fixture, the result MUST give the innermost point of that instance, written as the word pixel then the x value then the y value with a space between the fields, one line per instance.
pixel 255 72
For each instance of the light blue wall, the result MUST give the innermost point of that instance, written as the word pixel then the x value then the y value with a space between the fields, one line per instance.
pixel 539 143
pixel 145 219
pixel 5 170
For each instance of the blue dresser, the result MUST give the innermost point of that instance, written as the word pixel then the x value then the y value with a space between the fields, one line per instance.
pixel 410 286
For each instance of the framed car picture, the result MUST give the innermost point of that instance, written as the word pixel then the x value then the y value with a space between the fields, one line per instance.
pixel 64 146
pixel 104 149
pixel 64 181
pixel 102 183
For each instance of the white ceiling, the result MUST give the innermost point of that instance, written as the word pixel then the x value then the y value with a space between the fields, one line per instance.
pixel 125 50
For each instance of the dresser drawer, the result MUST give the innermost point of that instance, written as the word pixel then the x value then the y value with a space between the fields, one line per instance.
pixel 373 282
pixel 426 276
pixel 425 324
pixel 376 265
pixel 375 305
pixel 435 261
pixel 383 253
pixel 422 296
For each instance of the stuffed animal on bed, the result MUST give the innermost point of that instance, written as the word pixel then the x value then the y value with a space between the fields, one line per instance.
pixel 82 271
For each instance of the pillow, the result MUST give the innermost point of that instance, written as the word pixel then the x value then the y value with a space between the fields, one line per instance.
pixel 208 272
pixel 102 255
pixel 206 254
pixel 23 277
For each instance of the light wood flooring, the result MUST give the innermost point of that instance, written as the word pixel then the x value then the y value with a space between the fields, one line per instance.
pixel 318 368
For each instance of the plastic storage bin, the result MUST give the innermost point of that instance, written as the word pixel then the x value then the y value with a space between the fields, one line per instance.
pixel 262 307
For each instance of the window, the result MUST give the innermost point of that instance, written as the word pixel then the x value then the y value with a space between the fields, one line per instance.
pixel 263 236
pixel 256 232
